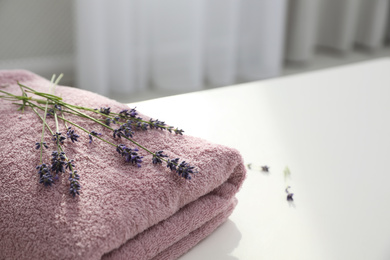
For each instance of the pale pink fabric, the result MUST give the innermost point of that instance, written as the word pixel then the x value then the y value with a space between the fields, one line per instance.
pixel 123 212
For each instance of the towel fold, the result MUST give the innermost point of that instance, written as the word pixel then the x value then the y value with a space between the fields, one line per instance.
pixel 122 212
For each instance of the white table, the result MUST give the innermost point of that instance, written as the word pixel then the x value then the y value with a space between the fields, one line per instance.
pixel 332 129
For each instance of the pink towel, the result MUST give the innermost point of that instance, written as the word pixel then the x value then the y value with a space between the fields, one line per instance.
pixel 122 212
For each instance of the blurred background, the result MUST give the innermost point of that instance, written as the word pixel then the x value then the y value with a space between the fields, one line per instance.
pixel 133 50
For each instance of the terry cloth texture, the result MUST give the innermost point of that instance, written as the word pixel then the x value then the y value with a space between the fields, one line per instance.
pixel 123 212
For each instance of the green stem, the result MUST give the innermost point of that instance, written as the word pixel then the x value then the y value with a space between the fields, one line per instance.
pixel 44 122
pixel 43 128
pixel 57 131
pixel 62 114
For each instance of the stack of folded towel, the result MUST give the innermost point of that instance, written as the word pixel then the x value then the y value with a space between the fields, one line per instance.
pixel 122 212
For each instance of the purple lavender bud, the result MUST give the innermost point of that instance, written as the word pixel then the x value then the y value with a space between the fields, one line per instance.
pixel 183 169
pixel 105 110
pixel 129 154
pixel 93 133
pixel 57 162
pixel 124 130
pixel 133 112
pixel 157 157
pixel 50 112
pixel 58 139
pixel 116 133
pixel 69 165
pixel 46 179
pixel 178 131
pixel 74 186
pixel 156 124
pixel 171 164
pixel 72 135
pixel 107 121
pixel 142 126
pixel 43 169
pixel 265 168
pixel 124 113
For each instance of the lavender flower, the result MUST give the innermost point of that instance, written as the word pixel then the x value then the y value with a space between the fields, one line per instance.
pixel 93 133
pixel 183 169
pixel 171 164
pixel 108 121
pixel 178 131
pixel 117 133
pixel 157 157
pixel 156 124
pixel 46 179
pixel 141 125
pixel 69 165
pixel 161 125
pixel 105 110
pixel 58 139
pixel 42 169
pixel 124 130
pixel 45 176
pixel 57 162
pixel 38 145
pixel 289 194
pixel 128 113
pixel 72 135
pixel 130 155
pixel 50 112
pixel 124 113
pixel 265 168
pixel 74 183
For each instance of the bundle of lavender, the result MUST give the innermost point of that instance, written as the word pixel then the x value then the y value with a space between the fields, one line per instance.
pixel 123 126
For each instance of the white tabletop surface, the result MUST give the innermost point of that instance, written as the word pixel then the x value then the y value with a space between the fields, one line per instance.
pixel 331 128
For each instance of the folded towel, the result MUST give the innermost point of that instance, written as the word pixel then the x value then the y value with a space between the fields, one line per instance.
pixel 122 212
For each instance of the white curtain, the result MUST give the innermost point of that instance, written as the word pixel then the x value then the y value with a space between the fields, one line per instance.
pixel 302 30
pixel 261 39
pixel 372 23
pixel 127 46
